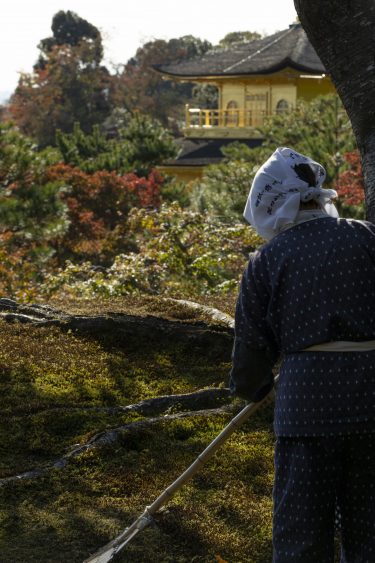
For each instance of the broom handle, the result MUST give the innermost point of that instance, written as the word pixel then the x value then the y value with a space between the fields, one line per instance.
pixel 108 551
pixel 208 452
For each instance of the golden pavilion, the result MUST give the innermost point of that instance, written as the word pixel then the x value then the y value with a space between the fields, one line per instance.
pixel 254 80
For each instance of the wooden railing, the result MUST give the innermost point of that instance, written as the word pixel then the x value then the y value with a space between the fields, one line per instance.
pixel 196 117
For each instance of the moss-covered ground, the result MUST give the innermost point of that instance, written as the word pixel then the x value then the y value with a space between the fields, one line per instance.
pixel 49 383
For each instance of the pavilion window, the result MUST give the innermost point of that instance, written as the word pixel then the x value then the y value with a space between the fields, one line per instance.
pixel 282 106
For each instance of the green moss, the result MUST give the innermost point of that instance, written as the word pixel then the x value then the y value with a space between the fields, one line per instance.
pixel 73 512
pixel 50 385
pixel 135 304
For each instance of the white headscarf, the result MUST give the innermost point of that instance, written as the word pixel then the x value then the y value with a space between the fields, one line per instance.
pixel 277 191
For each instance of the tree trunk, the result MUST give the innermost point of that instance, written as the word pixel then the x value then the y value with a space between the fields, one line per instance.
pixel 342 33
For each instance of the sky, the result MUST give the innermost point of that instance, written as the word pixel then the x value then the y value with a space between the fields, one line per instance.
pixel 126 25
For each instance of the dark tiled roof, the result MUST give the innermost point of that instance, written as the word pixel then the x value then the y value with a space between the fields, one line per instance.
pixel 201 152
pixel 287 48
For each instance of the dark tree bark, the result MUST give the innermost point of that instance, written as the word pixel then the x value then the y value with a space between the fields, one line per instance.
pixel 342 33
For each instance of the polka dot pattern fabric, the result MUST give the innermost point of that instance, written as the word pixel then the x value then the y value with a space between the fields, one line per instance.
pixel 313 283
pixel 316 476
pixel 325 394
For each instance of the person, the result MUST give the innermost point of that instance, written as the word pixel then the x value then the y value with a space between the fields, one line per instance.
pixel 307 298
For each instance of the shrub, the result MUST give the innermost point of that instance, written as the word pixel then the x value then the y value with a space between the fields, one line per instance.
pixel 176 250
pixel 350 187
pixel 97 205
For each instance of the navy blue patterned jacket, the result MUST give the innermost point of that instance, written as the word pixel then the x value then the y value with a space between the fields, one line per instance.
pixel 313 283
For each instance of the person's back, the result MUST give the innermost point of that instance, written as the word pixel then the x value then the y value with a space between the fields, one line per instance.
pixel 308 295
pixel 319 280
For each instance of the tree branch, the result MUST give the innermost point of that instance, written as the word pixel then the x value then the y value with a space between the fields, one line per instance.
pixel 218 336
pixel 108 437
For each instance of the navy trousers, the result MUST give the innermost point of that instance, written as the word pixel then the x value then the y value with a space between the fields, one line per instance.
pixel 317 478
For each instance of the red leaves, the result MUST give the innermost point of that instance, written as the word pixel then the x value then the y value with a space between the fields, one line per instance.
pixel 147 190
pixel 350 185
pixel 97 203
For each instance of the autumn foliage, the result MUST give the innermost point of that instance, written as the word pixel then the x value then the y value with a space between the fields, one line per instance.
pixel 68 83
pixel 98 204
pixel 350 184
pixel 51 212
pixel 90 215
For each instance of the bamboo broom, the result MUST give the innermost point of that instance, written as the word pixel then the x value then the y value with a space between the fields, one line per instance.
pixel 107 553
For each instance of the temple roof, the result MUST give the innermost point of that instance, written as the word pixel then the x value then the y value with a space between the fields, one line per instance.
pixel 287 48
pixel 202 152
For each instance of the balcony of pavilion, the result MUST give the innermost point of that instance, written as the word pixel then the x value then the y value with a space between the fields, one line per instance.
pixel 230 122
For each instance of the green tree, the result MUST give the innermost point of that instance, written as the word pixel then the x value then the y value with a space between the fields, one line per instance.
pixel 141 144
pixel 92 151
pixel 205 96
pixel 68 84
pixel 30 205
pixel 320 129
pixel 224 188
pixel 235 37
pixel 148 143
pixel 33 217
pixel 69 28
